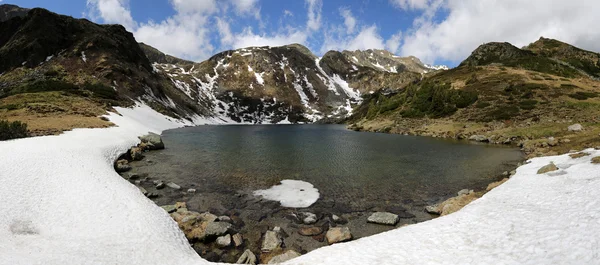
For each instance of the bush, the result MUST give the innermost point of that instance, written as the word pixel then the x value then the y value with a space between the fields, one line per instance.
pixel 101 91
pixel 528 104
pixel 12 130
pixel 482 105
pixel 505 112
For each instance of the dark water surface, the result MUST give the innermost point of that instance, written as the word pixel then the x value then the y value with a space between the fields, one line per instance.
pixel 356 173
pixel 356 168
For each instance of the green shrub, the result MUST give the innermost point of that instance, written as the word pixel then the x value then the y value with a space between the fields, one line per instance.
pixel 100 90
pixel 10 106
pixel 505 112
pixel 528 104
pixel 46 85
pixel 12 130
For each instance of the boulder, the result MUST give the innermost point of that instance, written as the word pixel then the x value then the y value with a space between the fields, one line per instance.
pixel 173 186
pixel 479 138
pixel 464 191
pixel 288 255
pixel 223 241
pixel 308 218
pixel 579 155
pixel 160 186
pixel 433 209
pixel 224 218
pixel 310 231
pixel 216 229
pixel 136 153
pixel 271 241
pixel 152 195
pixel 596 160
pixel 383 218
pixel 247 258
pixel 153 141
pixel 575 128
pixel 238 240
pixel 207 217
pixel 180 205
pixel 169 208
pixel 338 234
pixel 122 166
pixel 547 168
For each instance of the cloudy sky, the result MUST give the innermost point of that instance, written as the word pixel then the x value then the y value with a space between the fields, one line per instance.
pixel 437 31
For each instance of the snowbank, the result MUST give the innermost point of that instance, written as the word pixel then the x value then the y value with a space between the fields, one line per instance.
pixel 291 193
pixel 62 203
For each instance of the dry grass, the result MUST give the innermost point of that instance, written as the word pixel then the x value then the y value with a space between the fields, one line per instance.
pixel 53 112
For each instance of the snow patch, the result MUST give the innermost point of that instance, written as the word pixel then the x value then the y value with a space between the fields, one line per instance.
pixel 83 57
pixel 291 193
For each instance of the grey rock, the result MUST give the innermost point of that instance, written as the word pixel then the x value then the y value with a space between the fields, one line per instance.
pixel 144 191
pixel 122 166
pixel 271 241
pixel 307 218
pixel 238 240
pixel 224 241
pixel 547 168
pixel 207 217
pixel 160 186
pixel 152 195
pixel 383 218
pixel 169 208
pixel 479 138
pixel 136 153
pixel 575 128
pixel 247 258
pixel 288 255
pixel 173 186
pixel 433 209
pixel 154 141
pixel 338 234
pixel 217 229
pixel 464 192
pixel 224 218
pixel 191 191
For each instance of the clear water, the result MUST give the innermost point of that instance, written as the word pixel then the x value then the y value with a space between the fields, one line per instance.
pixel 355 171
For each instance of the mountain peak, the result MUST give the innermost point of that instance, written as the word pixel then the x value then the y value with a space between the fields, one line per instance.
pixel 494 52
pixel 8 11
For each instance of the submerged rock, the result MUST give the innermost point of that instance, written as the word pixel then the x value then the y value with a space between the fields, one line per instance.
pixel 160 186
pixel 191 191
pixel 433 209
pixel 464 191
pixel 310 231
pixel 247 258
pixel 224 241
pixel 547 168
pixel 383 218
pixel 338 234
pixel 173 186
pixel 479 138
pixel 169 208
pixel 288 255
pixel 271 241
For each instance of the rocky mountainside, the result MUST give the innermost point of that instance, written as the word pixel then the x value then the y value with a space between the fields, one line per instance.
pixel 500 91
pixel 56 66
pixel 51 63
pixel 288 83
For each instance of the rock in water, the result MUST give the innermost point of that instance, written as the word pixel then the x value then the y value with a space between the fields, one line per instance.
pixel 160 185
pixel 169 208
pixel 122 166
pixel 464 191
pixel 216 229
pixel 383 218
pixel 479 138
pixel 238 240
pixel 173 186
pixel 307 218
pixel 154 141
pixel 247 258
pixel 191 191
pixel 575 128
pixel 547 168
pixel 288 255
pixel 271 241
pixel 310 231
pixel 136 154
pixel 338 234
pixel 224 241
pixel 433 209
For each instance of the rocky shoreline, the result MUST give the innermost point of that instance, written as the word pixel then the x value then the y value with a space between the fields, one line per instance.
pixel 264 232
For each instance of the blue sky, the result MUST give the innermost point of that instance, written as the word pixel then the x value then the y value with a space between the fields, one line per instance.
pixel 437 31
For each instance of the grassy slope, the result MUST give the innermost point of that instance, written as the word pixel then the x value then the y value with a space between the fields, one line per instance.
pixel 519 103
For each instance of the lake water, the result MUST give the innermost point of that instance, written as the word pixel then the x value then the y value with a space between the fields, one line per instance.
pixel 355 172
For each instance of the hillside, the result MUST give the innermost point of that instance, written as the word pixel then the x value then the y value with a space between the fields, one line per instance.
pixel 60 73
pixel 501 92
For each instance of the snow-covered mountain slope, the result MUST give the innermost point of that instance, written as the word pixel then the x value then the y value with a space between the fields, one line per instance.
pixel 386 61
pixel 287 83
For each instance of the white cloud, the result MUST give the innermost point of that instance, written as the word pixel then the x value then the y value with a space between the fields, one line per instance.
pixel 194 6
pixel 287 13
pixel 243 7
pixel 247 38
pixel 224 32
pixel 411 4
pixel 337 39
pixel 314 14
pixel 112 11
pixel 349 20
pixel 393 43
pixel 470 23
pixel 368 38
